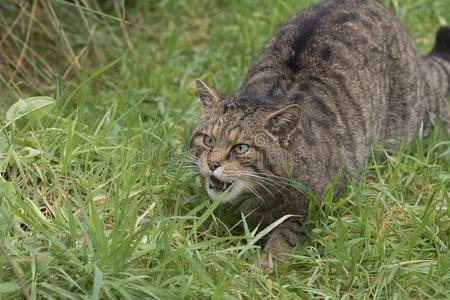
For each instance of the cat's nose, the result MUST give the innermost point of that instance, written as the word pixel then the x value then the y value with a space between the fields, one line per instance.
pixel 213 165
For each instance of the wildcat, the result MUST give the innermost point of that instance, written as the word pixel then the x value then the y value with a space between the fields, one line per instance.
pixel 336 78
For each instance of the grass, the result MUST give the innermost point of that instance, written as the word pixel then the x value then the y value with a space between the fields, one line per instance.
pixel 96 200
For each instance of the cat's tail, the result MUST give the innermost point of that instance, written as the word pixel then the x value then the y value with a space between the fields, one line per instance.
pixel 437 66
pixel 442 45
pixel 441 55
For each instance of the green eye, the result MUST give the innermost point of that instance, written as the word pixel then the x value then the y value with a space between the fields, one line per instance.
pixel 208 141
pixel 241 148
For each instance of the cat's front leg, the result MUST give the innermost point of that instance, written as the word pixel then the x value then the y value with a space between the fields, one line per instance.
pixel 281 242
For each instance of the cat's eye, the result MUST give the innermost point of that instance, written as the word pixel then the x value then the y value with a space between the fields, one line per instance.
pixel 240 148
pixel 208 141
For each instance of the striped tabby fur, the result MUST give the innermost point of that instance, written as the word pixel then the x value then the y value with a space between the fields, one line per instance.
pixel 336 78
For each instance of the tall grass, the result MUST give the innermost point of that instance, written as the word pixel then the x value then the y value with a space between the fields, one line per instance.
pixel 97 200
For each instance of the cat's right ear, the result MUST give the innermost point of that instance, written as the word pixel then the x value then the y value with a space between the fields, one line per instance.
pixel 284 121
pixel 208 96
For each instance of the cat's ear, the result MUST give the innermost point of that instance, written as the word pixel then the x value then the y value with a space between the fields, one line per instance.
pixel 284 121
pixel 208 96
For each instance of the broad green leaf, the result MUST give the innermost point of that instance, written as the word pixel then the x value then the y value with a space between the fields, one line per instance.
pixel 98 280
pixel 6 189
pixel 8 287
pixel 34 108
pixel 28 152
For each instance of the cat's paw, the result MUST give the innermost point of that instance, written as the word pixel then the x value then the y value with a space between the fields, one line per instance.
pixel 266 262
pixel 269 261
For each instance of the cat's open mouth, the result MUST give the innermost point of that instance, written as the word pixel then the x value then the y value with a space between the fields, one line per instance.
pixel 216 189
pixel 218 185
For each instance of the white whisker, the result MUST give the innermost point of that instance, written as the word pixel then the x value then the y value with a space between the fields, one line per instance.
pixel 273 182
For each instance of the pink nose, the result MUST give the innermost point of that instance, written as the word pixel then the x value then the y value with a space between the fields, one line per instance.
pixel 213 165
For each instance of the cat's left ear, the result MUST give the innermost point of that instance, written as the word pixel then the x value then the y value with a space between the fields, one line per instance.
pixel 284 121
pixel 208 96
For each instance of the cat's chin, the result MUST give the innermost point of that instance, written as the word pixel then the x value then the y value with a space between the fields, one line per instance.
pixel 229 192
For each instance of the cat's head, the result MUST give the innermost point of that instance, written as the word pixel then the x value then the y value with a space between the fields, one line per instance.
pixel 241 143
